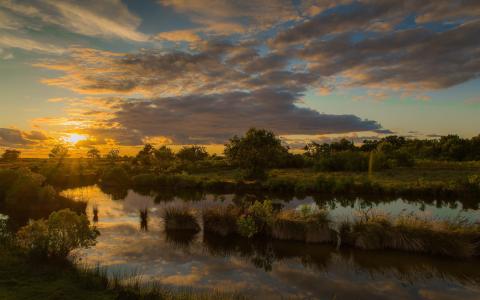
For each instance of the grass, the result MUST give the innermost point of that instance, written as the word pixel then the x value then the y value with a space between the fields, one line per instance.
pixel 180 218
pixel 221 220
pixel 22 279
pixel 311 228
pixel 377 231
pixel 370 230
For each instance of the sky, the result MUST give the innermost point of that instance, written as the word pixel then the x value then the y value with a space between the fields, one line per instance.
pixel 122 73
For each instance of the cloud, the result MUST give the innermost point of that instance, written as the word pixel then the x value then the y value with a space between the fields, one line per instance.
pixel 179 36
pixel 223 86
pixel 412 59
pixel 215 118
pixel 10 137
pixel 25 43
pixel 225 17
pixel 105 18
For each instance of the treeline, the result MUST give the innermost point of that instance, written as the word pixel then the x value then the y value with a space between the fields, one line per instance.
pixel 259 150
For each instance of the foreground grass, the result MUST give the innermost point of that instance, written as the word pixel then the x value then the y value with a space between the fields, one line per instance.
pixel 23 279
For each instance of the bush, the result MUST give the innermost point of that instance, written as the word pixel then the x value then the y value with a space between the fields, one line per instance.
pixel 343 161
pixel 247 226
pixel 56 238
pixel 257 219
pixel 4 233
pixel 221 220
pixel 115 176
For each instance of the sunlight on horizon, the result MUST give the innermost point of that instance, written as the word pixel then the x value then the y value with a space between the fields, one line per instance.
pixel 74 138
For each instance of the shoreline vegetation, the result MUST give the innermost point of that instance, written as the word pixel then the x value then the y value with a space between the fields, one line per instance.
pixel 367 230
pixel 50 226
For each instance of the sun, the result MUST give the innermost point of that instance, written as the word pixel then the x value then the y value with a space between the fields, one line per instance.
pixel 74 138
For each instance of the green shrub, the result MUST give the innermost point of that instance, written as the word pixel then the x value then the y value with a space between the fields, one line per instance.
pixel 247 226
pixel 257 219
pixel 4 232
pixel 343 161
pixel 115 176
pixel 56 238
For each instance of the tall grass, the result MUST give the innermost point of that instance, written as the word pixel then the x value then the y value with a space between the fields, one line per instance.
pixel 180 218
pixel 378 231
pixel 221 220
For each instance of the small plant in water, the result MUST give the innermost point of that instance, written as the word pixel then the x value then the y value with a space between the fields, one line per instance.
pixel 4 234
pixel 307 210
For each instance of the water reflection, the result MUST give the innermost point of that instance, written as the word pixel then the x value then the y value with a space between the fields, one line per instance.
pixel 269 269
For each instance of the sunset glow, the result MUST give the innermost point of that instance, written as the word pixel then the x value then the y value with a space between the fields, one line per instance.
pixel 195 72
pixel 74 138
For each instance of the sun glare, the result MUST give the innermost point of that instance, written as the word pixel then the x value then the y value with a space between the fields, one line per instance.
pixel 74 138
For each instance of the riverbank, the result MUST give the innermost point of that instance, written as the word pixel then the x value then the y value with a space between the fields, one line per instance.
pixel 22 279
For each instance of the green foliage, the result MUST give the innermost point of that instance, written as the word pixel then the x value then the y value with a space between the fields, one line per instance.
pixel 113 155
pixel 93 153
pixel 4 232
pixel 56 238
pixel 192 153
pixel 247 226
pixel 257 219
pixel 59 152
pixel 343 161
pixel 11 155
pixel 255 152
pixel 115 176
pixel 164 154
pixel 28 189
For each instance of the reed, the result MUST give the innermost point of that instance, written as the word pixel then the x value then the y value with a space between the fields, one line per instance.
pixel 180 218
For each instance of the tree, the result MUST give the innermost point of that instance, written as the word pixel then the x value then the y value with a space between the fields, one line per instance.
pixel 255 152
pixel 192 153
pixel 11 155
pixel 145 156
pixel 58 152
pixel 93 153
pixel 113 155
pixel 164 154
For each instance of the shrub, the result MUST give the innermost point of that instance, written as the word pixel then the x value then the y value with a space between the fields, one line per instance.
pixel 257 219
pixel 4 233
pixel 180 218
pixel 221 220
pixel 247 226
pixel 115 176
pixel 56 238
pixel 343 161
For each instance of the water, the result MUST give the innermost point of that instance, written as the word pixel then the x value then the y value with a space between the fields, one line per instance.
pixel 272 269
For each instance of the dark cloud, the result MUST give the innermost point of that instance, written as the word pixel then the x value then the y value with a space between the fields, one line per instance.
pixel 12 137
pixel 219 88
pixel 215 118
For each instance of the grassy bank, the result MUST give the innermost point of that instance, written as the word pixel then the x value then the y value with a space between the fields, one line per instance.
pixel 23 279
pixel 406 183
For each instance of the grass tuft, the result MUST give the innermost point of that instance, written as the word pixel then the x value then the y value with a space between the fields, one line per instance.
pixel 180 218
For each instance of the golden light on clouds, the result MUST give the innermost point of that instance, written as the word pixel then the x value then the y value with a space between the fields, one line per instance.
pixel 73 138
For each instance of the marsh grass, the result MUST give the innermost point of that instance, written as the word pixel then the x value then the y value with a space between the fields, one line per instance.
pixel 378 231
pixel 180 218
pixel 221 220
pixel 310 227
